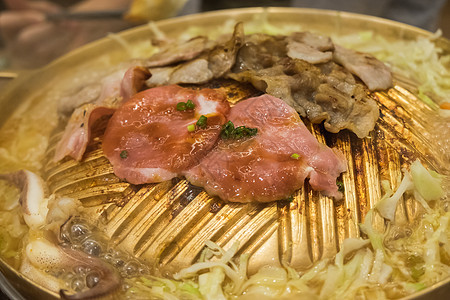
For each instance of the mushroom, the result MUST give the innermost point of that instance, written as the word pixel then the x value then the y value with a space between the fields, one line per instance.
pixel 32 196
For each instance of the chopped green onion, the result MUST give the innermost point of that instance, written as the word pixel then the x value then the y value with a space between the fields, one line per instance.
pixel 124 154
pixel 191 128
pixel 190 104
pixel 295 156
pixel 340 185
pixel 227 130
pixel 202 121
pixel 242 131
pixel 182 106
pixel 230 132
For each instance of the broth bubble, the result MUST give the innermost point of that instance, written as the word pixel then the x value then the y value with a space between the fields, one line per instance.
pixel 78 284
pixel 92 279
pixel 91 247
pixel 78 232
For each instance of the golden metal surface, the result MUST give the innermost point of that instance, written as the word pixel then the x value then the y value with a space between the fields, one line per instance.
pixel 162 225
pixel 157 224
pixel 8 75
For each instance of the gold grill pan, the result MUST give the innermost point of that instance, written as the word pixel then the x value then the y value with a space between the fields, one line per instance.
pixel 166 224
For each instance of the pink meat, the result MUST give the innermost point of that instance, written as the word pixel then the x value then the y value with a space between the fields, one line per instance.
pixel 76 135
pixel 261 168
pixel 133 81
pixel 147 139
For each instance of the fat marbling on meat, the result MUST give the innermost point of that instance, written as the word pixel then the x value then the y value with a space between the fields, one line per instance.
pixel 147 139
pixel 265 167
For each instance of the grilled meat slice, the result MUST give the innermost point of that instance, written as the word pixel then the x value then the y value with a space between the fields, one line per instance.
pixel 328 94
pixel 184 51
pixel 375 74
pixel 148 139
pixel 212 64
pixel 272 164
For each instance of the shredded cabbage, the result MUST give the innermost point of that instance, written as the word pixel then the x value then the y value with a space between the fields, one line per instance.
pixel 258 24
pixel 427 186
pixel 138 50
pixel 423 62
pixel 210 284
pixel 151 287
pixel 12 225
pixel 427 183
pixel 373 268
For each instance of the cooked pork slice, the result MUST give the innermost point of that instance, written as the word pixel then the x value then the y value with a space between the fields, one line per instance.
pixel 306 52
pixel 312 48
pixel 223 56
pixel 182 51
pixel 86 94
pixel 107 87
pixel 301 69
pixel 274 44
pixel 374 73
pixel 358 115
pixel 160 76
pixel 272 81
pixel 345 102
pixel 316 41
pixel 328 94
pixel 260 51
pixel 251 57
pixel 77 132
pixel 202 69
pixel 115 89
pixel 133 81
pixel 195 71
pixel 149 140
pixel 271 165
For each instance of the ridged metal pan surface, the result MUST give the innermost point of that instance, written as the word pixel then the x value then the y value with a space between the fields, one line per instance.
pixel 166 224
